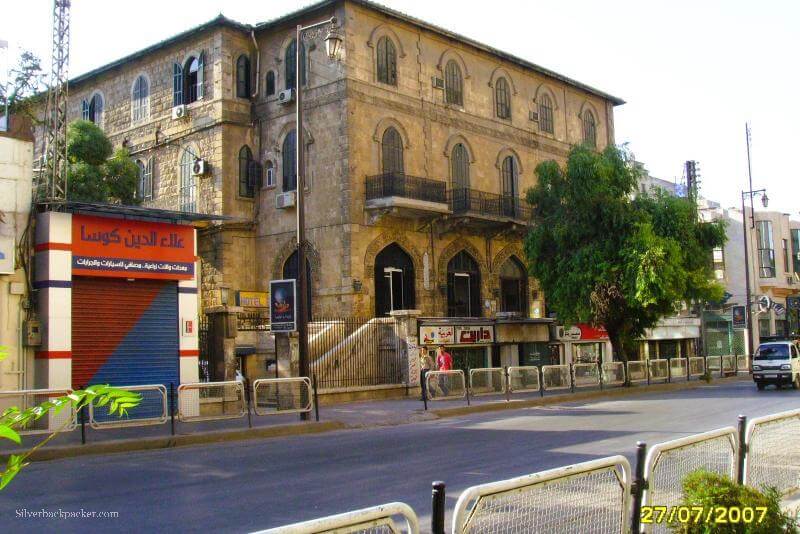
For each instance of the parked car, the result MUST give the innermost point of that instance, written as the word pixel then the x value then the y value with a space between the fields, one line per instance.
pixel 777 362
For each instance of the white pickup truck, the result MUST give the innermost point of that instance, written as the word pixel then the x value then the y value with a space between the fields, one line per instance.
pixel 777 362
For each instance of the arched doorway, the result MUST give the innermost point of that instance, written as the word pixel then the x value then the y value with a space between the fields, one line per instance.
pixel 513 287
pixel 394 280
pixel 290 272
pixel 463 286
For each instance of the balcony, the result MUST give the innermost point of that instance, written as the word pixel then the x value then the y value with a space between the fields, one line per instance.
pixel 488 209
pixel 406 196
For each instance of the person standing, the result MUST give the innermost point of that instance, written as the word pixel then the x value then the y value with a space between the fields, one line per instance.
pixel 445 363
pixel 425 365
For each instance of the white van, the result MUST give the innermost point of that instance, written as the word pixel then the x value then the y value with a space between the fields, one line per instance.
pixel 777 362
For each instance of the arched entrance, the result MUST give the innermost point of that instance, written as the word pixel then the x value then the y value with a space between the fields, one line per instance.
pixel 513 287
pixel 290 271
pixel 463 286
pixel 394 280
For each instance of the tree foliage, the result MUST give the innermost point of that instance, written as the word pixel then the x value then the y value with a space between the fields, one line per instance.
pixel 25 87
pixel 605 258
pixel 97 173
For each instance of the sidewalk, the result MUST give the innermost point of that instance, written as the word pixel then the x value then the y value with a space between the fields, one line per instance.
pixel 362 414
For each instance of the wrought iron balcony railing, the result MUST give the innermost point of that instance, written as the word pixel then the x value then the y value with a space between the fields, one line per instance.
pixel 465 200
pixel 405 186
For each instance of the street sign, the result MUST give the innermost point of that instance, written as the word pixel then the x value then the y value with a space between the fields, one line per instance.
pixel 764 303
pixel 282 305
pixel 739 318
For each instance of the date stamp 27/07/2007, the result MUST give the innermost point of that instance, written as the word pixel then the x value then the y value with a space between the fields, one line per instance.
pixel 703 514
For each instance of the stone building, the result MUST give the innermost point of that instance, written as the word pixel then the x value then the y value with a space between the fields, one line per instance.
pixel 420 146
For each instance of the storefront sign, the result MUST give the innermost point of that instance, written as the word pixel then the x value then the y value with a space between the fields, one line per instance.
pixel 469 335
pixel 739 318
pixel 456 334
pixel 582 332
pixel 282 309
pixel 252 299
pixel 6 255
pixel 131 249
pixel 436 335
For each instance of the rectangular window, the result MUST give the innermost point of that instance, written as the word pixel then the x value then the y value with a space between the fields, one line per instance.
pixel 785 255
pixel 766 249
pixel 718 259
pixel 795 232
pixel 763 327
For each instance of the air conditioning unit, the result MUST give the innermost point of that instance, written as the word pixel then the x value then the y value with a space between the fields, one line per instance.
pixel 200 167
pixel 285 200
pixel 286 96
pixel 438 83
pixel 534 116
pixel 179 112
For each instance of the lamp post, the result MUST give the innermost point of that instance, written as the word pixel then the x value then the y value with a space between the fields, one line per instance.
pixel 333 43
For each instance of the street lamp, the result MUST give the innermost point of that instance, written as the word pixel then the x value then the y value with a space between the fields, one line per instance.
pixel 333 43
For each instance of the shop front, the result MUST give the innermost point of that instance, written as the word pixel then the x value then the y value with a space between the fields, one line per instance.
pixel 469 344
pixel 582 343
pixel 672 337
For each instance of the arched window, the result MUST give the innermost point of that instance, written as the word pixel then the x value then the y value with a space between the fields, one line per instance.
pixel 140 190
pixel 289 166
pixel 92 109
pixel 387 61
pixel 188 80
pixel 502 98
pixel 392 152
pixel 509 173
pixel 589 129
pixel 290 64
pixel 459 167
pixel 513 287
pixel 453 84
pixel 145 189
pixel 290 272
pixel 191 79
pixel 140 99
pixel 394 280
pixel 463 286
pixel 243 77
pixel 188 188
pixel 270 83
pixel 545 114
pixel 246 186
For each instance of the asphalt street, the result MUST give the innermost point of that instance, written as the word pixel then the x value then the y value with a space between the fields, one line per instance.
pixel 251 485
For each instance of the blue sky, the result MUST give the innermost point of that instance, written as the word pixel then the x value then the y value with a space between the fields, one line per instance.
pixel 692 72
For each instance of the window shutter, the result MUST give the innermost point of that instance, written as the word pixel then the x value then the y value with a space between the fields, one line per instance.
pixel 177 84
pixel 254 175
pixel 200 74
pixel 85 110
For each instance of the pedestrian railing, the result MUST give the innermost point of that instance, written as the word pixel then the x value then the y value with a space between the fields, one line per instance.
pixel 523 379
pixel 637 371
pixel 590 497
pixel 585 375
pixel 613 373
pixel 659 369
pixel 697 366
pixel 667 463
pixel 151 410
pixel 677 368
pixel 282 395
pixel 205 401
pixel 395 517
pixel 487 381
pixel 729 364
pixel 556 377
pixel 442 385
pixel 742 364
pixel 713 364
pixel 773 454
pixel 63 421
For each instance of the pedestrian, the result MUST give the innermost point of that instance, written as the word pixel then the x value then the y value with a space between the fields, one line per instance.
pixel 445 363
pixel 425 365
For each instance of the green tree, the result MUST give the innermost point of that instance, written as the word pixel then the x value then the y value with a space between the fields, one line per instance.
pixel 97 173
pixel 26 86
pixel 605 258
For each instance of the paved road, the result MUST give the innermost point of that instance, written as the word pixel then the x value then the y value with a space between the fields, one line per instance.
pixel 236 487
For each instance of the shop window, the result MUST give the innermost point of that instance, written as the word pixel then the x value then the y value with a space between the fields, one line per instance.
pixel 587 352
pixel 535 354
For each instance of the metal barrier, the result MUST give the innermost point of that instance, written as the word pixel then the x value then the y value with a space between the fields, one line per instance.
pixel 677 368
pixel 377 519
pixel 667 463
pixel 729 364
pixel 697 366
pixel 713 364
pixel 773 457
pixel 487 381
pixel 742 364
pixel 659 369
pixel 556 377
pixel 152 410
pixel 590 497
pixel 205 401
pixel 30 398
pixel 637 371
pixel 282 395
pixel 443 385
pixel 613 373
pixel 585 375
pixel 523 379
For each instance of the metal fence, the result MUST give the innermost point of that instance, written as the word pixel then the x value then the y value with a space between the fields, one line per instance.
pixel 445 384
pixel 63 421
pixel 637 371
pixel 659 369
pixel 282 395
pixel 204 349
pixel 487 381
pixel 151 410
pixel 713 364
pixel 205 401
pixel 588 497
pixel 773 455
pixel 697 366
pixel 556 377
pixel 613 373
pixel 678 368
pixel 523 379
pixel 585 375
pixel 395 517
pixel 729 364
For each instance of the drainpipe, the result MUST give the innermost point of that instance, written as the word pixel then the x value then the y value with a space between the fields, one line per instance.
pixel 258 62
